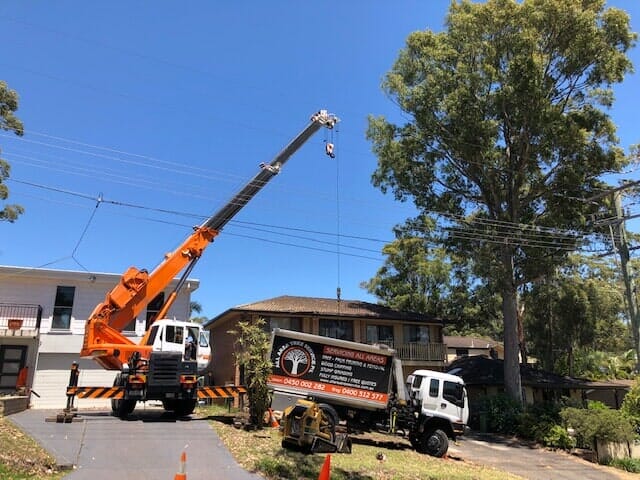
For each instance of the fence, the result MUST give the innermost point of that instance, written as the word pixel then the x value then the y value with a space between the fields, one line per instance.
pixel 432 352
pixel 421 351
pixel 16 316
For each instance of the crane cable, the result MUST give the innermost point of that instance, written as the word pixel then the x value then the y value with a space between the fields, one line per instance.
pixel 330 150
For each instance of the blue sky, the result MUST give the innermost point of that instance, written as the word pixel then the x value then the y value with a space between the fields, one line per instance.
pixel 172 107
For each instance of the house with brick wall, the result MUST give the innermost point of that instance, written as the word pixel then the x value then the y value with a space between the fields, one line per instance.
pixel 416 337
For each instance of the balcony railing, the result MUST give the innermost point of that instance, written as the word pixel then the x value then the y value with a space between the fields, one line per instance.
pixel 15 317
pixel 431 352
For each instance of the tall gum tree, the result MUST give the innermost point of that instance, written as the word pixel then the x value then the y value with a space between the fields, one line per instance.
pixel 8 122
pixel 506 134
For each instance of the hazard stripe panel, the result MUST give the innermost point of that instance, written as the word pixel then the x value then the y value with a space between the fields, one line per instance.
pixel 220 392
pixel 96 392
pixel 118 392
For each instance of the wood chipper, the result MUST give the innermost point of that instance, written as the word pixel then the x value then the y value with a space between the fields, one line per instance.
pixel 309 428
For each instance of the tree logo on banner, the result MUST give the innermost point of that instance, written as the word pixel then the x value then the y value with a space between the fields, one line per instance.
pixel 296 359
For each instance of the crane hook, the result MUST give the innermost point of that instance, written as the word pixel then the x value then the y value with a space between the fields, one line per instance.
pixel 328 148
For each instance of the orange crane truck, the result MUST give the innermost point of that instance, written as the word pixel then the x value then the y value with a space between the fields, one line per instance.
pixel 165 364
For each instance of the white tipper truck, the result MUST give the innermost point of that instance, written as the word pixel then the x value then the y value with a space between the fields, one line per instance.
pixel 362 386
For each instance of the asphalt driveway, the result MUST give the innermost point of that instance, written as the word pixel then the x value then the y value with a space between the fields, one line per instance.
pixel 529 462
pixel 147 446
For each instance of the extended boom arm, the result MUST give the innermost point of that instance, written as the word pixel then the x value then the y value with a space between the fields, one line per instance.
pixel 103 340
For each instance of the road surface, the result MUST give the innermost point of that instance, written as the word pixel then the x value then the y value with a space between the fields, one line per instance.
pixel 149 445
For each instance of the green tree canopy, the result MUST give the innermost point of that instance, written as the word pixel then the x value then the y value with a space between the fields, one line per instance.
pixel 8 121
pixel 427 280
pixel 413 278
pixel 576 315
pixel 506 134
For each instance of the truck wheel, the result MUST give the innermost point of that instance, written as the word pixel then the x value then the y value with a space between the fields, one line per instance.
pixel 119 406
pixel 115 403
pixel 126 407
pixel 115 407
pixel 435 443
pixel 185 407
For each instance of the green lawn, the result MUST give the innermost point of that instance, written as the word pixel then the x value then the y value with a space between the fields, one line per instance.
pixel 261 451
pixel 22 458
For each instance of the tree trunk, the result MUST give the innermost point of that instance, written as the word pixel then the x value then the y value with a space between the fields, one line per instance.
pixel 570 360
pixel 521 340
pixel 512 381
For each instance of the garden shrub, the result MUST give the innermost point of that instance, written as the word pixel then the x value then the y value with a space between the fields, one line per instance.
pixel 501 412
pixel 594 423
pixel 628 464
pixel 538 420
pixel 596 405
pixel 558 437
pixel 631 405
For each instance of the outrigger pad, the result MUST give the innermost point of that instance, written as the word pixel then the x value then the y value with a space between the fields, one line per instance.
pixel 62 417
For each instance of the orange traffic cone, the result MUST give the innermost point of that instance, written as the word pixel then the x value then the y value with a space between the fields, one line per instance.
pixel 324 471
pixel 182 473
pixel 272 420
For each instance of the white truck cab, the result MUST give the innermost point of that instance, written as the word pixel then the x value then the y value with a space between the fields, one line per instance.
pixel 439 394
pixel 173 336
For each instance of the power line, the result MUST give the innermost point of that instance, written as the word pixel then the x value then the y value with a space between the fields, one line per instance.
pixel 559 243
pixel 521 229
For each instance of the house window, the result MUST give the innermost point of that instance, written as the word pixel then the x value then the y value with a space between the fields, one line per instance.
pixel 341 329
pixel 288 323
pixel 462 352
pixel 416 334
pixel 131 326
pixel 380 334
pixel 153 308
pixel 62 308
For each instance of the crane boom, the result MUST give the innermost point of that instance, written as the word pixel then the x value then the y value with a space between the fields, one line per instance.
pixel 136 288
pixel 226 213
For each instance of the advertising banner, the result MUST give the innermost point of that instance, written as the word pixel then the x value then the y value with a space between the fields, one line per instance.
pixel 321 368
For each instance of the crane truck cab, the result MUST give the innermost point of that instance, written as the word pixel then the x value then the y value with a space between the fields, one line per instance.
pixel 188 338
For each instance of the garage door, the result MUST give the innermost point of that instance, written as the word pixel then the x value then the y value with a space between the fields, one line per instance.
pixel 52 378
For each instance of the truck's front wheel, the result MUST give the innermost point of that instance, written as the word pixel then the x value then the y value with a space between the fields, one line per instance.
pixel 120 407
pixel 435 443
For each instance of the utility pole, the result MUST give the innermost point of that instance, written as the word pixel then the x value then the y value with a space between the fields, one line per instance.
pixel 622 247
